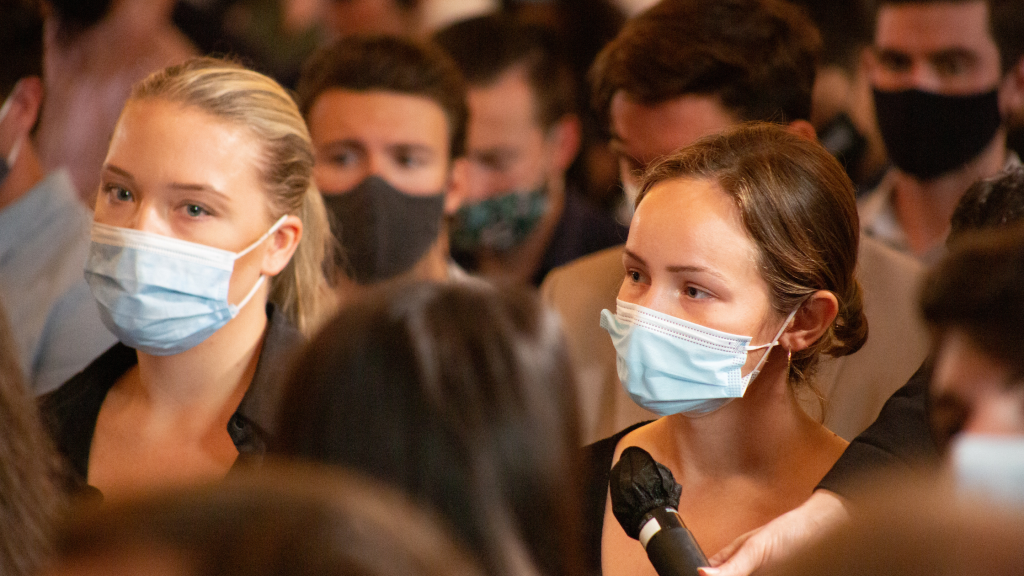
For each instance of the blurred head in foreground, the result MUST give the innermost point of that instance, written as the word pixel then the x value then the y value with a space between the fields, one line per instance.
pixel 463 397
pixel 973 301
pixel 281 522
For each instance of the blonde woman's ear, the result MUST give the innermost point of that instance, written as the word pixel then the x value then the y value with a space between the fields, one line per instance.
pixel 283 243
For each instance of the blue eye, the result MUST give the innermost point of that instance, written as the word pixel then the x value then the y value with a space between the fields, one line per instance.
pixel 195 211
pixel 118 193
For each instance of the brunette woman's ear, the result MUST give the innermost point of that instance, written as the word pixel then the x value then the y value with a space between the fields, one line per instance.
pixel 282 245
pixel 811 321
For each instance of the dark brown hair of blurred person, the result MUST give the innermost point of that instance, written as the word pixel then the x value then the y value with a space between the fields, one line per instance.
pixel 724 55
pixel 29 498
pixel 989 203
pixel 486 47
pixel 797 203
pixel 274 522
pixel 460 395
pixel 389 64
pixel 21 36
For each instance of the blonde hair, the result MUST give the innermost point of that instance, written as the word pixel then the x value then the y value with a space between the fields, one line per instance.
pixel 31 501
pixel 228 91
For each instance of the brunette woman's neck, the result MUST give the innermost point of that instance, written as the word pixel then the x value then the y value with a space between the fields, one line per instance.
pixel 757 436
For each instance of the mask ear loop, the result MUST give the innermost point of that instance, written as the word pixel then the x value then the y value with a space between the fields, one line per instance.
pixel 262 277
pixel 769 345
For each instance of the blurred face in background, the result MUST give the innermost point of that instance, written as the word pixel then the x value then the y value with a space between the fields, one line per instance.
pixel 508 149
pixel 943 47
pixel 400 137
pixel 973 393
pixel 642 133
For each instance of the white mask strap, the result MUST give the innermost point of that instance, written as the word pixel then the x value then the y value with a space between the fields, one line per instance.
pixel 775 341
pixel 252 246
pixel 4 109
pixel 13 156
pixel 251 293
pixel 277 225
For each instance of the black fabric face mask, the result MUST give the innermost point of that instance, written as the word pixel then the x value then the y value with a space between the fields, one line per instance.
pixel 929 134
pixel 383 231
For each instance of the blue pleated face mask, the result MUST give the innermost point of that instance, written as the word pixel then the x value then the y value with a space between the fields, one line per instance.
pixel 671 366
pixel 161 295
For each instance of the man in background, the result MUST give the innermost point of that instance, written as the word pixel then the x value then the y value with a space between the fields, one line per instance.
pixel 946 74
pixel 44 229
pixel 387 118
pixel 519 217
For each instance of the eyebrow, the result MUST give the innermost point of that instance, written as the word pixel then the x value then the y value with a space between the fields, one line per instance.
pixel 675 269
pixel 411 147
pixel 943 54
pixel 120 172
pixel 700 269
pixel 191 187
pixel 185 186
pixel 952 54
pixel 345 142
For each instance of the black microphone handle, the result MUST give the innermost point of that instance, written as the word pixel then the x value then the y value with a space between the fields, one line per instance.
pixel 671 549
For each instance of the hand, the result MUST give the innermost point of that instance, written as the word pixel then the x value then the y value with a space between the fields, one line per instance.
pixel 781 538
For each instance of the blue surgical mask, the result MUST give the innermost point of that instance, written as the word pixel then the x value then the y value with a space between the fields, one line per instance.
pixel 989 466
pixel 671 366
pixel 161 295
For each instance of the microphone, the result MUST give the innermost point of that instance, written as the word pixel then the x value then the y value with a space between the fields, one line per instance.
pixel 645 496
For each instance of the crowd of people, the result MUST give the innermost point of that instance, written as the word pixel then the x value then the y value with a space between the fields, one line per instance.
pixel 388 286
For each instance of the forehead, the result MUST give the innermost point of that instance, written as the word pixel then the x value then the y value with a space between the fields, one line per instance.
pixel 508 100
pixel 169 139
pixel 934 27
pixel 693 218
pixel 377 117
pixel 649 131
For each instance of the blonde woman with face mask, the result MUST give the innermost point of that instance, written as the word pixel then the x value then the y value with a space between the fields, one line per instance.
pixel 206 255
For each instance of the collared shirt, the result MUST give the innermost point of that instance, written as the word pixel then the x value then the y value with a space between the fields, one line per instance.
pixel 44 242
pixel 70 412
pixel 878 214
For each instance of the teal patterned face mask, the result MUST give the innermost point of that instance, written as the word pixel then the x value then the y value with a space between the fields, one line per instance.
pixel 500 223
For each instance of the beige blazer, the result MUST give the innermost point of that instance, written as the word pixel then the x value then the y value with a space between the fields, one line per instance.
pixel 855 386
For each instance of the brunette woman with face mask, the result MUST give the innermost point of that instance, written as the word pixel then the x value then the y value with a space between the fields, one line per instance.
pixel 206 262
pixel 738 275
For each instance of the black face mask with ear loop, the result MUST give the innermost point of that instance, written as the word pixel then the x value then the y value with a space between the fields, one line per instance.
pixel 383 231
pixel 928 134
